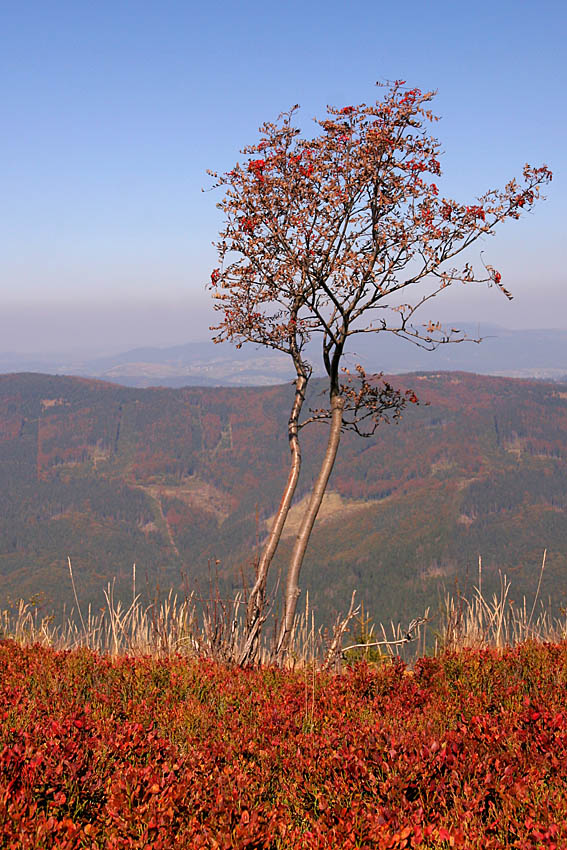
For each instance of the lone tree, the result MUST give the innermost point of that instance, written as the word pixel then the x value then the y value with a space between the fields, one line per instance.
pixel 335 235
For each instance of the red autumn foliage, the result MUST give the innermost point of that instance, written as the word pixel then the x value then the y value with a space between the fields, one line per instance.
pixel 467 750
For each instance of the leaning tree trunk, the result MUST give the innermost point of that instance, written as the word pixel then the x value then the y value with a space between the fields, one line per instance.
pixel 292 585
pixel 255 615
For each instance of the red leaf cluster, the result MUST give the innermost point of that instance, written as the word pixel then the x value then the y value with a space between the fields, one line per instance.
pixel 325 228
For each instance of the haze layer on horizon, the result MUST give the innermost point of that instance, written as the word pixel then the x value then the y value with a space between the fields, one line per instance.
pixel 97 328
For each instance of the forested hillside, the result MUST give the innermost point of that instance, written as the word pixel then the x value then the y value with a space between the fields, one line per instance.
pixel 182 481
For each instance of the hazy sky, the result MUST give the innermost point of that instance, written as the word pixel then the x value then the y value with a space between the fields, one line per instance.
pixel 113 111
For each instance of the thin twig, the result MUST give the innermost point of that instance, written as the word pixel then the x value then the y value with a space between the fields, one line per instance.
pixel 538 587
pixel 76 597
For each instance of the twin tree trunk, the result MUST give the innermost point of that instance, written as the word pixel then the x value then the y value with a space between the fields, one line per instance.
pixel 304 533
pixel 255 615
pixel 255 611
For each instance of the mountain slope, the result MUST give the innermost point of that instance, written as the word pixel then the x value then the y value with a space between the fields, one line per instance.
pixel 182 482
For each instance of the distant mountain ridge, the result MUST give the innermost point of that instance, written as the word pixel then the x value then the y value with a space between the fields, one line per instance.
pixel 182 483
pixel 530 353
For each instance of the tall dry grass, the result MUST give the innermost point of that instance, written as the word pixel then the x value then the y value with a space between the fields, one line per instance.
pixel 498 621
pixel 215 628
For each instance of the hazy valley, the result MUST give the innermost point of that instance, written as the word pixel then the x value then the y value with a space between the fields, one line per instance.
pixel 514 353
pixel 183 481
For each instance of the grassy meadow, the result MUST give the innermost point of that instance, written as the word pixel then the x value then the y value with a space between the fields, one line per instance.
pixel 133 729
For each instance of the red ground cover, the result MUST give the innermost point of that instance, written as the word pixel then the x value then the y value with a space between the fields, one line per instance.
pixel 466 750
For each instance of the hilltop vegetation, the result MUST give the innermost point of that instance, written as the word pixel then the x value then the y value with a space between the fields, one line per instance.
pixel 176 480
pixel 468 750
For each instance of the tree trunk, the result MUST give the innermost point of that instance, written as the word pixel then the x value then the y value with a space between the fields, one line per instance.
pixel 292 585
pixel 255 609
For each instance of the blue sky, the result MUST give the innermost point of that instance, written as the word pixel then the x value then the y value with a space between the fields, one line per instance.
pixel 113 111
